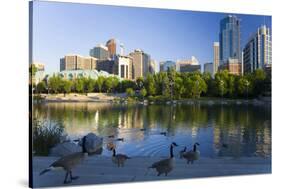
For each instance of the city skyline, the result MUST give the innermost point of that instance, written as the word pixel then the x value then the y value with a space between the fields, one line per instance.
pixel 69 28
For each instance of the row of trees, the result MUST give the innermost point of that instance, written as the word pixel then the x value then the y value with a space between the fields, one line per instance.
pixel 170 84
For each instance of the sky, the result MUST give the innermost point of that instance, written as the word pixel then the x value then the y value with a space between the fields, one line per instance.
pixel 73 28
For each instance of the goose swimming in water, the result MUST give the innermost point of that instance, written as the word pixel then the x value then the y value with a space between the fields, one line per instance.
pixel 192 155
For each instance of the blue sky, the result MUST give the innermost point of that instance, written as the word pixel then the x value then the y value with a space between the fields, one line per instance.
pixel 71 28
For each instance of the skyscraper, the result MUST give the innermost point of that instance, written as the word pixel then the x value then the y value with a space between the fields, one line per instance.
pixel 230 50
pixel 229 39
pixel 111 45
pixel 141 63
pixel 258 50
pixel 100 52
pixel 208 68
pixel 216 57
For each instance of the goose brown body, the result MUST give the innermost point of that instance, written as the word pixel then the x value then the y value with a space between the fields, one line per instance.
pixel 119 159
pixel 192 155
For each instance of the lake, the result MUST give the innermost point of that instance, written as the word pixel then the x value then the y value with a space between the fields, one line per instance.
pixel 221 130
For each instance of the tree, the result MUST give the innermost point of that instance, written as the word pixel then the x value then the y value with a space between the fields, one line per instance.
pixel 66 86
pixel 244 86
pixel 99 83
pixel 54 83
pixel 221 80
pixel 140 83
pixel 79 85
pixel 178 87
pixel 231 85
pixel 89 85
pixel 130 92
pixel 143 92
pixel 32 70
pixel 41 87
pixel 150 85
pixel 111 83
pixel 258 80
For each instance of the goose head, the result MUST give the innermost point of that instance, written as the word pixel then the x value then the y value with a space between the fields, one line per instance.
pixel 195 146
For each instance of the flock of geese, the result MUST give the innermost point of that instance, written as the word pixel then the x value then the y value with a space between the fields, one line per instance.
pixel 164 166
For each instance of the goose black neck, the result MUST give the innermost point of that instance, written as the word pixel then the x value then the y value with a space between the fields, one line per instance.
pixel 194 148
pixel 171 151
pixel 114 153
pixel 84 150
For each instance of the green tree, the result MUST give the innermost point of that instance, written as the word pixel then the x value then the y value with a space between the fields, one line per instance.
pixel 130 92
pixel 89 85
pixel 150 85
pixel 179 87
pixel 41 87
pixel 99 83
pixel 66 86
pixel 258 80
pixel 221 80
pixel 231 85
pixel 140 83
pixel 143 92
pixel 79 85
pixel 54 83
pixel 244 86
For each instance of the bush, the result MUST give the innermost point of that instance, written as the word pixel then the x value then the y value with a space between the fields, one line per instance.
pixel 45 136
pixel 130 92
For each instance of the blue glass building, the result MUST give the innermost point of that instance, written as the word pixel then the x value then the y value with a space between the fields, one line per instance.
pixel 230 39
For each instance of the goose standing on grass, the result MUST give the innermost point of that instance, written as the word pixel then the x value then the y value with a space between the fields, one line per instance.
pixel 192 155
pixel 67 163
pixel 165 165
pixel 118 159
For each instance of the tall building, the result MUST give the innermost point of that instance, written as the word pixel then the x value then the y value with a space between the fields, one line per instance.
pixel 230 50
pixel 165 65
pixel 229 39
pixel 152 66
pixel 77 62
pixel 257 53
pixel 208 68
pixel 123 67
pixel 141 62
pixel 100 52
pixel 190 65
pixel 111 46
pixel 216 58
pixel 105 65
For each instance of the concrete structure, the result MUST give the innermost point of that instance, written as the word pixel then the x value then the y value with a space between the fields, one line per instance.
pixel 152 66
pixel 258 50
pixel 77 62
pixel 123 67
pixel 216 57
pixel 40 72
pixel 189 65
pixel 105 65
pixel 74 74
pixel 165 65
pixel 233 66
pixel 100 52
pixel 111 46
pixel 208 68
pixel 141 63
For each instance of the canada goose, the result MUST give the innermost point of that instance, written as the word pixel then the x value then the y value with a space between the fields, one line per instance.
pixel 68 162
pixel 143 129
pixel 119 159
pixel 163 133
pixel 182 151
pixel 192 155
pixel 120 139
pixel 110 136
pixel 165 165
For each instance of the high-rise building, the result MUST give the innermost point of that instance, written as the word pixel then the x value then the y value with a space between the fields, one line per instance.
pixel 165 65
pixel 230 50
pixel 123 67
pixel 257 53
pixel 77 62
pixel 141 63
pixel 190 65
pixel 100 52
pixel 111 46
pixel 208 68
pixel 230 39
pixel 216 58
pixel 152 66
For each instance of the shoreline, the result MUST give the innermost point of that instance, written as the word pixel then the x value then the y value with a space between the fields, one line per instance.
pixel 121 98
pixel 101 170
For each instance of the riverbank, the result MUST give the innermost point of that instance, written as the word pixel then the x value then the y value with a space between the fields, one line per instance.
pixel 122 98
pixel 101 170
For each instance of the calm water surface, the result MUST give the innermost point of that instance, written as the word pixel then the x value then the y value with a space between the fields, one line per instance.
pixel 221 130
